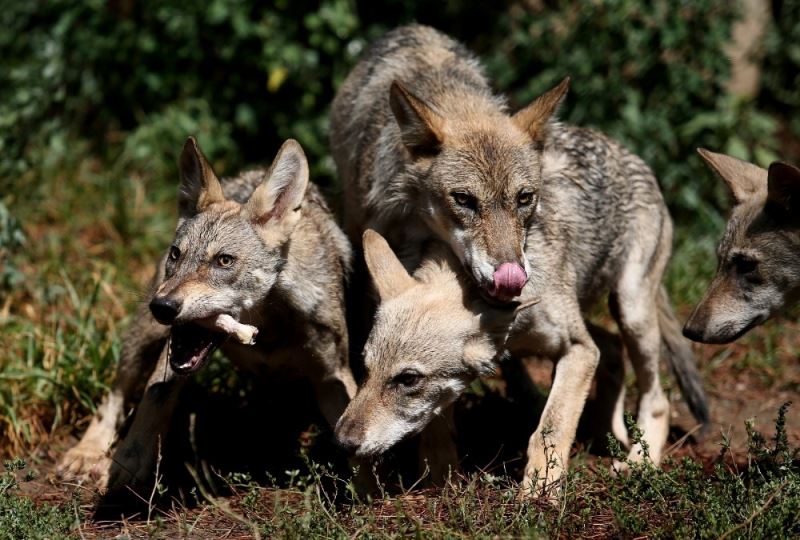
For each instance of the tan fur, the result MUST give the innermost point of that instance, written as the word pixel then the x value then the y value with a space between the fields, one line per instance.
pixel 287 281
pixel 441 160
pixel 745 180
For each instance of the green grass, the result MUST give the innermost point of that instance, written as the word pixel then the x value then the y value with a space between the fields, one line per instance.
pixel 758 498
pixel 21 517
pixel 92 231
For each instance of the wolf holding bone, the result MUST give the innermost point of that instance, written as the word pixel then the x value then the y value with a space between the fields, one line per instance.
pixel 257 267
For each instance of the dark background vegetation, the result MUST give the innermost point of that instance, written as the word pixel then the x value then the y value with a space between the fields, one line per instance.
pixel 97 97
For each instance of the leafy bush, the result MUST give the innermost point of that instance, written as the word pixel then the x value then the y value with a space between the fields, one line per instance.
pixel 101 69
pixel 20 517
pixel 253 74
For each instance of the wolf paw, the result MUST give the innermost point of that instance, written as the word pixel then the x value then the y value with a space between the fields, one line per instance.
pixel 85 464
pixel 620 468
pixel 541 486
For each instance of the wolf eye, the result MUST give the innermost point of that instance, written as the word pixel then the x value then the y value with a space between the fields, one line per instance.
pixel 745 265
pixel 525 198
pixel 464 199
pixel 408 378
pixel 174 253
pixel 225 260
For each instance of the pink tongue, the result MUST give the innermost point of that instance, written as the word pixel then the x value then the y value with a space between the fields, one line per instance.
pixel 509 279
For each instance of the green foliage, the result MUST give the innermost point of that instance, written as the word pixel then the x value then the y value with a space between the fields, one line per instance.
pixel 259 72
pixel 681 500
pixel 61 365
pixel 246 75
pixel 20 517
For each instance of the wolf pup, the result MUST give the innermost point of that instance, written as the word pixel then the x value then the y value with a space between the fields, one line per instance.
pixel 425 149
pixel 257 267
pixel 758 270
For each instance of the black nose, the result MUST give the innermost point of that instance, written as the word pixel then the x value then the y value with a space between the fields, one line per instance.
pixel 165 309
pixel 695 333
pixel 346 442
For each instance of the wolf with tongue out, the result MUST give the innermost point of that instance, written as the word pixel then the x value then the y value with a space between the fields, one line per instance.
pixel 257 267
pixel 532 211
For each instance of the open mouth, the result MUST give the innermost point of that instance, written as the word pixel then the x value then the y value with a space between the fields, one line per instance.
pixel 190 346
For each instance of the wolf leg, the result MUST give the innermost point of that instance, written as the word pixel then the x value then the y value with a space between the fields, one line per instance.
pixel 437 448
pixel 135 459
pixel 609 408
pixel 89 458
pixel 549 446
pixel 637 316
pixel 330 374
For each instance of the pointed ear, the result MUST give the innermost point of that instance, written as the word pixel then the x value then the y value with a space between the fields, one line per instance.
pixel 420 127
pixel 744 179
pixel 283 188
pixel 783 187
pixel 388 273
pixel 533 119
pixel 200 187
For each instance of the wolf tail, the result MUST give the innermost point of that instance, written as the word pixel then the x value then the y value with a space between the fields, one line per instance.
pixel 679 354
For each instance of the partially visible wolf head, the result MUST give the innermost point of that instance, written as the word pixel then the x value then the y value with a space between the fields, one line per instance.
pixel 758 269
pixel 428 342
pixel 476 177
pixel 226 255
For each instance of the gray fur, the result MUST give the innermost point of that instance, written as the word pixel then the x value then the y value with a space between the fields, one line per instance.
pixel 758 270
pixel 287 280
pixel 599 226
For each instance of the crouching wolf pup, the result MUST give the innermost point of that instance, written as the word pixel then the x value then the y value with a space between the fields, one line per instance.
pixel 257 267
pixel 433 334
pixel 758 270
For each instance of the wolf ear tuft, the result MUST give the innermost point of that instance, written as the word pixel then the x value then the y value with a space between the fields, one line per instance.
pixel 388 273
pixel 783 186
pixel 534 118
pixel 479 355
pixel 283 188
pixel 420 127
pixel 744 179
pixel 200 187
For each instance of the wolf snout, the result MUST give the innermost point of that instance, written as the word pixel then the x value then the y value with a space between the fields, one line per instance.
pixel 348 435
pixel 347 443
pixel 508 281
pixel 697 325
pixel 165 309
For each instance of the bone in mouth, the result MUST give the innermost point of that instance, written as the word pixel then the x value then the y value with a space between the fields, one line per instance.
pixel 244 333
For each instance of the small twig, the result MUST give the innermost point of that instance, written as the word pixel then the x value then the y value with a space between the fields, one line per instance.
pixel 682 440
pixel 328 514
pixel 155 486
